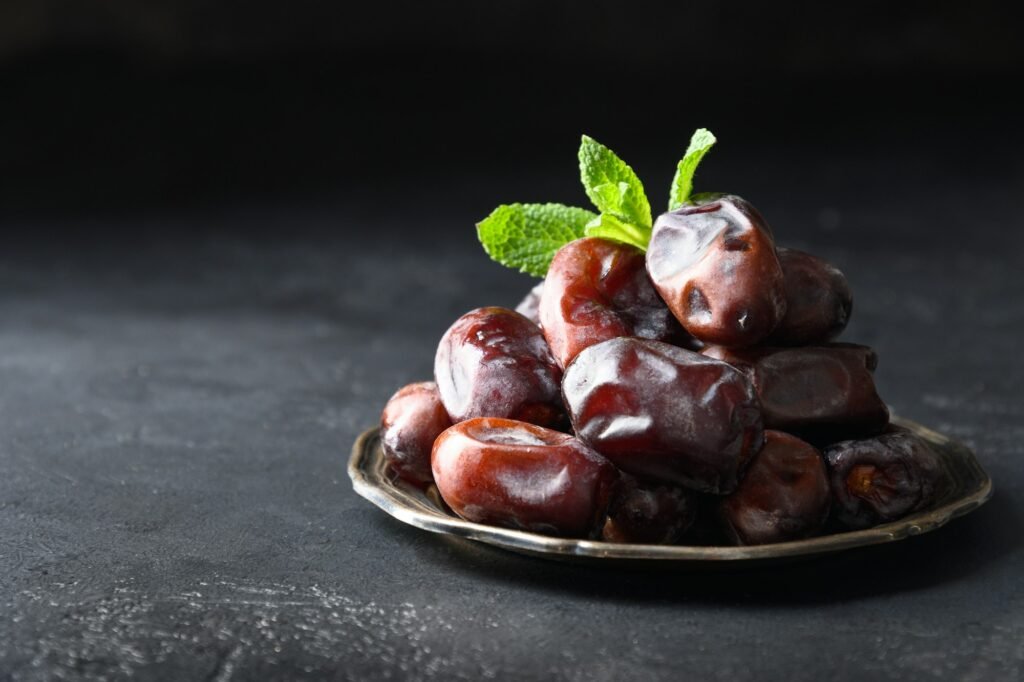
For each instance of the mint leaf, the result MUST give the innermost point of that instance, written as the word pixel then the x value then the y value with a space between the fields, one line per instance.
pixel 610 227
pixel 682 183
pixel 612 185
pixel 525 237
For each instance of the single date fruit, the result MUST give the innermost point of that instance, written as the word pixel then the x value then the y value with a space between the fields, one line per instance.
pixel 822 393
pixel 598 290
pixel 518 475
pixel 413 418
pixel 714 263
pixel 818 300
pixel 882 479
pixel 664 413
pixel 493 362
pixel 784 494
pixel 649 512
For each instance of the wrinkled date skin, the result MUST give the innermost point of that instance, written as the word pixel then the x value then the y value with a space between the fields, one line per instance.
pixel 822 393
pixel 411 421
pixel 664 413
pixel 529 307
pixel 493 362
pixel 882 479
pixel 818 300
pixel 517 475
pixel 649 513
pixel 713 261
pixel 598 290
pixel 784 494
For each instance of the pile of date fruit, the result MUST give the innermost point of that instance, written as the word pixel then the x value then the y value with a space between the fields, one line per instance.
pixel 687 392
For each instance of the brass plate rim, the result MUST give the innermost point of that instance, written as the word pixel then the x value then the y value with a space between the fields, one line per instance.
pixel 366 471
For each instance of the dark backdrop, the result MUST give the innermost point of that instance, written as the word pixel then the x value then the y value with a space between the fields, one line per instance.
pixel 231 230
pixel 170 103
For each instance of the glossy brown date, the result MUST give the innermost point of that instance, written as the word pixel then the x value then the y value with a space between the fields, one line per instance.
pixel 821 393
pixel 713 261
pixel 413 418
pixel 598 290
pixel 493 362
pixel 882 479
pixel 664 413
pixel 517 475
pixel 784 494
pixel 649 513
pixel 818 300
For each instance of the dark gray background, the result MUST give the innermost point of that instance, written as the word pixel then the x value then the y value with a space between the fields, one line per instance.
pixel 220 257
pixel 177 411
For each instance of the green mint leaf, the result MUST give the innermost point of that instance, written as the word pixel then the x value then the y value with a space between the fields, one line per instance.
pixel 682 183
pixel 525 237
pixel 612 185
pixel 609 226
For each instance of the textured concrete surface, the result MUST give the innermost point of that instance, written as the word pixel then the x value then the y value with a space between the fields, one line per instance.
pixel 178 395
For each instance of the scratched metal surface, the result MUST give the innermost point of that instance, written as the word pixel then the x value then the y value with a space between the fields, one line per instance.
pixel 178 394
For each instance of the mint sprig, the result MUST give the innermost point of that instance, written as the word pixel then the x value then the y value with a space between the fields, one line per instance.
pixel 612 185
pixel 682 183
pixel 611 227
pixel 525 237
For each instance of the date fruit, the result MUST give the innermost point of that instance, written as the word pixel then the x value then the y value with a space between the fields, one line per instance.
pixel 821 393
pixel 784 494
pixel 598 290
pixel 518 475
pixel 882 479
pixel 493 362
pixel 413 418
pixel 714 263
pixel 818 300
pixel 649 513
pixel 664 413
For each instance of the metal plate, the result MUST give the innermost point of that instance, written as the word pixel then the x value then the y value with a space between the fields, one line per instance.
pixel 971 488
